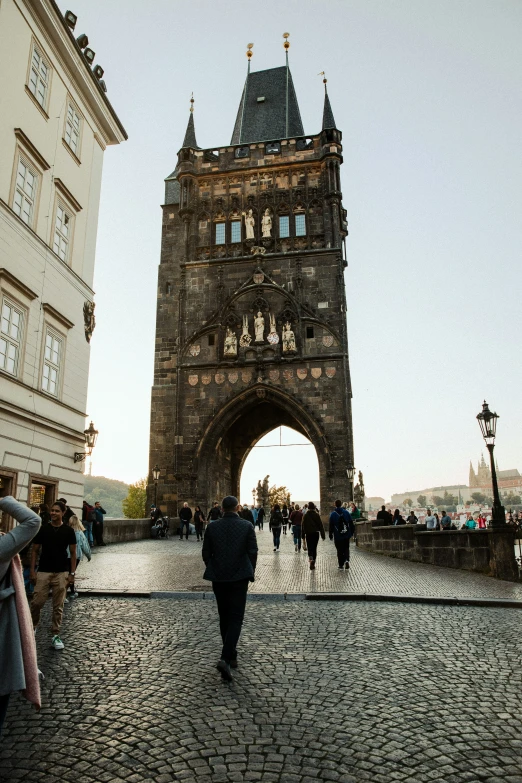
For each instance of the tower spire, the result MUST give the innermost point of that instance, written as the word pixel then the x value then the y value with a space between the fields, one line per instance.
pixel 190 134
pixel 328 118
pixel 286 46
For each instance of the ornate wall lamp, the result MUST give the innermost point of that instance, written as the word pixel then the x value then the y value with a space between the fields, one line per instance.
pixel 90 435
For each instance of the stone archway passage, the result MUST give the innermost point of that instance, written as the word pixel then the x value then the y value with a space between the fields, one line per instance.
pixel 237 428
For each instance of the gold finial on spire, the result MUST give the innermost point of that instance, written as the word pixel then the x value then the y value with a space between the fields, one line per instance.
pixel 286 44
pixel 191 101
pixel 323 74
pixel 249 53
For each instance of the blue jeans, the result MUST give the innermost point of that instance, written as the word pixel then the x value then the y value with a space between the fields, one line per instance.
pixel 296 530
pixel 88 532
pixel 182 525
pixel 276 532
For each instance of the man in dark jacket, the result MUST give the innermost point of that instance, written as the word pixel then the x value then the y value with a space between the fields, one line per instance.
pixel 245 513
pixel 98 524
pixel 261 517
pixel 342 529
pixel 185 515
pixel 214 513
pixel 230 555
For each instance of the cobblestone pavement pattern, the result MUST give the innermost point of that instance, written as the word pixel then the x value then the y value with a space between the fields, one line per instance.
pixel 176 565
pixel 345 692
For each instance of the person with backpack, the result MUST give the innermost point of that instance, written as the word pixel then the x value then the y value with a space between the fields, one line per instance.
pixel 286 515
pixel 275 524
pixel 82 550
pixel 312 527
pixel 342 529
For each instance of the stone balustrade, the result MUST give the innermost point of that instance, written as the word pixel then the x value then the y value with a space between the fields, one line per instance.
pixel 118 530
pixel 489 551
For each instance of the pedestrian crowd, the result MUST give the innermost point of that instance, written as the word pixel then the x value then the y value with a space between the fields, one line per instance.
pixel 39 558
pixel 433 521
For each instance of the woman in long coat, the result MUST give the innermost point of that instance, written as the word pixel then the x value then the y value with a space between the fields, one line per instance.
pixel 18 667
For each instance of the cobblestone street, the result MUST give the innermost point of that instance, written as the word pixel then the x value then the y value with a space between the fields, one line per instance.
pixel 331 691
pixel 175 565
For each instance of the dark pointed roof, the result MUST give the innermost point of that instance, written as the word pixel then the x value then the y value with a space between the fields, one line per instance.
pixel 273 118
pixel 190 135
pixel 328 118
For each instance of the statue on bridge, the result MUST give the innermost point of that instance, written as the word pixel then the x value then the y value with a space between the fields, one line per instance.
pixel 358 493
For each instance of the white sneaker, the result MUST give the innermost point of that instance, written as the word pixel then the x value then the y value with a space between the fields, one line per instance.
pixel 57 643
pixel 73 595
pixel 340 568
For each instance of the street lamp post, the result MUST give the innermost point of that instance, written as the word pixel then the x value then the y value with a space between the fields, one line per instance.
pixel 155 477
pixel 350 472
pixel 90 435
pixel 488 426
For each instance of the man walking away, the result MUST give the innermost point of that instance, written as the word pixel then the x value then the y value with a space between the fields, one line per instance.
pixel 230 555
pixel 185 515
pixel 98 523
pixel 261 517
pixel 53 569
pixel 247 514
pixel 275 524
pixel 312 528
pixel 341 530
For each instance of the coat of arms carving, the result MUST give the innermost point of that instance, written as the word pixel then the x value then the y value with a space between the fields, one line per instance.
pixel 193 379
pixel 219 377
pixel 194 350
pixel 274 375
pixel 288 374
pixel 316 372
pixel 246 376
pixel 233 376
pixel 330 372
pixel 258 278
pixel 206 378
pixel 302 373
pixel 328 340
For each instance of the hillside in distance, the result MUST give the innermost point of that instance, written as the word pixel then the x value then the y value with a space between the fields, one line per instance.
pixel 109 492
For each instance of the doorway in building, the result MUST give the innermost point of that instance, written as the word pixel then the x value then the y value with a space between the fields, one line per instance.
pixel 42 491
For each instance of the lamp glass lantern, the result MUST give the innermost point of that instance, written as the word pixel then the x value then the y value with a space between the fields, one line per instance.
pixel 156 471
pixel 91 436
pixel 488 424
pixel 350 473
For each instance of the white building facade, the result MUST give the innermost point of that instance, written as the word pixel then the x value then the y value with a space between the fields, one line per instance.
pixel 55 123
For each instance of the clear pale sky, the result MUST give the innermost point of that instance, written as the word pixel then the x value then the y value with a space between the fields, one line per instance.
pixel 428 96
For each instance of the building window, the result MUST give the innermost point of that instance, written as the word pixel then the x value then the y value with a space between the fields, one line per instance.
pixel 220 233
pixel 300 225
pixel 235 231
pixel 309 332
pixel 39 77
pixel 273 148
pixel 284 226
pixel 10 337
pixel 72 129
pixel 52 361
pixel 211 340
pixel 62 232
pixel 25 192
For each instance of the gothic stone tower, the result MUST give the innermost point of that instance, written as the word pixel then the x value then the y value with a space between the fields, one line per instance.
pixel 251 320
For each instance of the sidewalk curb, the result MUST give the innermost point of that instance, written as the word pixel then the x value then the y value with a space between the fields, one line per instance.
pixel 505 603
pixel 186 595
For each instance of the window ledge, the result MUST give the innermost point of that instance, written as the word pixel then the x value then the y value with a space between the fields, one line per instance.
pixel 22 288
pixel 38 106
pixel 71 153
pixel 50 310
pixel 29 147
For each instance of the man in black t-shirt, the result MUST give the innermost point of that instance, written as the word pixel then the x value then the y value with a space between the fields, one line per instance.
pixel 53 570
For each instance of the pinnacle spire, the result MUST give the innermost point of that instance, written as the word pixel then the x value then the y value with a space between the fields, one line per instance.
pixel 328 118
pixel 190 134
